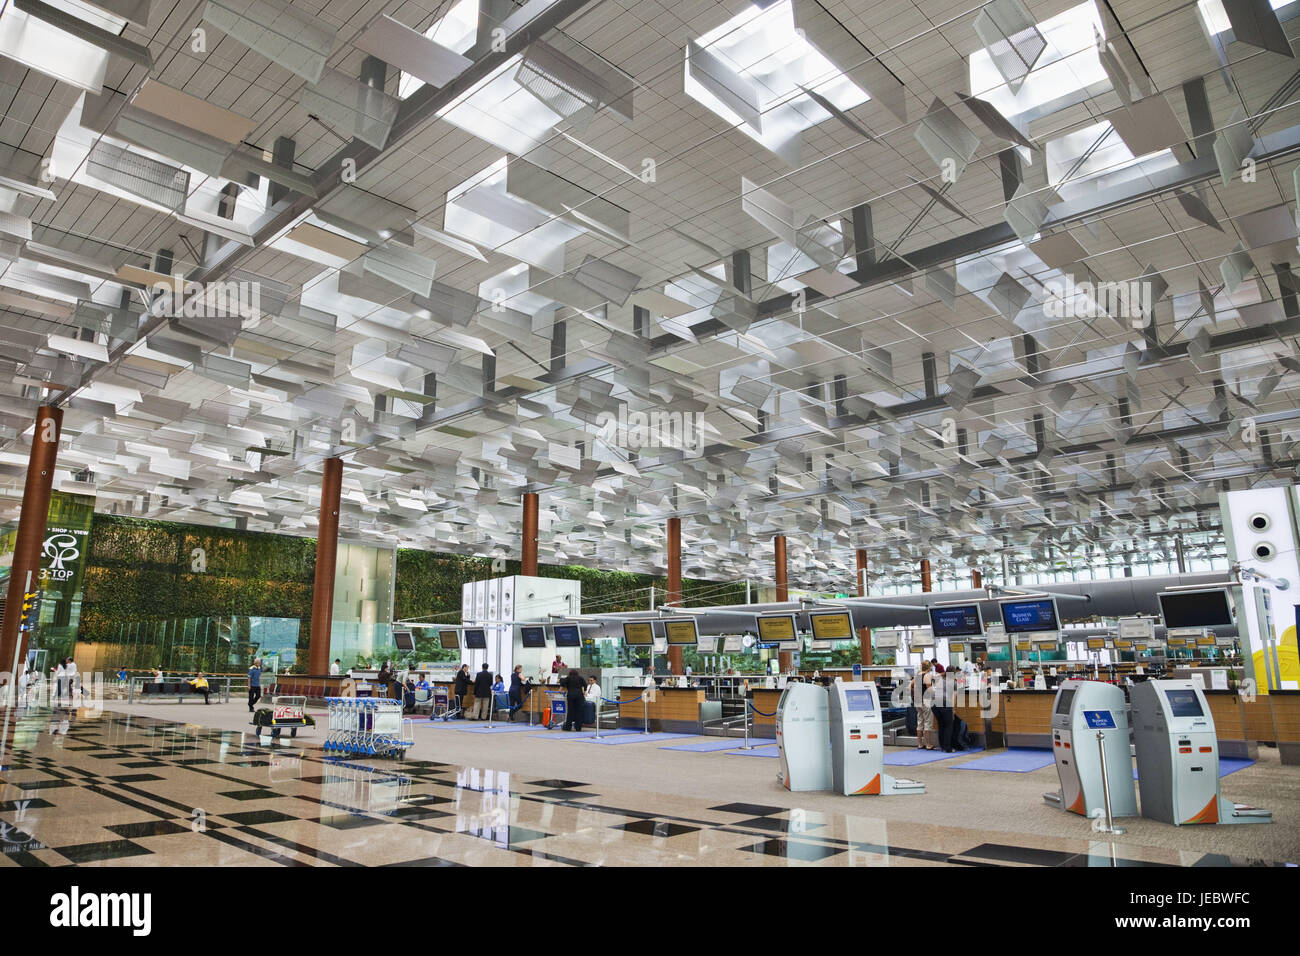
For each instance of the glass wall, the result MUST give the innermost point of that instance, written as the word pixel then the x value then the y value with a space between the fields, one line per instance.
pixel 361 634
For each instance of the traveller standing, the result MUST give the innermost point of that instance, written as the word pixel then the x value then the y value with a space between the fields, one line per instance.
pixel 461 689
pixel 254 684
pixel 575 690
pixel 73 682
pixel 483 694
pixel 516 690
pixel 923 699
pixel 60 677
pixel 336 667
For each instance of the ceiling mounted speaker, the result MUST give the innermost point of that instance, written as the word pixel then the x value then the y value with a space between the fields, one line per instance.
pixel 149 179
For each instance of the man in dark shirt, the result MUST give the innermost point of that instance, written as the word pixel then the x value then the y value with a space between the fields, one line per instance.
pixel 461 689
pixel 483 693
pixel 254 684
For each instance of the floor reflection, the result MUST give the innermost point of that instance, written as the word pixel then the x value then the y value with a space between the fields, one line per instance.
pixel 80 787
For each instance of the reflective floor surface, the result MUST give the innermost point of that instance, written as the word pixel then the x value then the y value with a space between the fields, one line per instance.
pixel 118 790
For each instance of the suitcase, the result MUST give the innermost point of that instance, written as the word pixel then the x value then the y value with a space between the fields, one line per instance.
pixel 960 734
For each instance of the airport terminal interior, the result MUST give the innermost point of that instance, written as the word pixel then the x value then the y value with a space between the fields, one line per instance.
pixel 620 432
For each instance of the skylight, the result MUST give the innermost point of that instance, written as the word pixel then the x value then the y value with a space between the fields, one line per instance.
pixel 777 65
pixel 1108 160
pixel 1064 75
pixel 499 111
pixel 1216 20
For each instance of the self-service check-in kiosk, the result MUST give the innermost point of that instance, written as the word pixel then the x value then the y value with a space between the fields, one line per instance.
pixel 1178 757
pixel 858 743
pixel 1085 710
pixel 802 738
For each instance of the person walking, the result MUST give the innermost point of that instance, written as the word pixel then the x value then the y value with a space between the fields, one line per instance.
pixel 60 678
pixel 461 690
pixel 483 694
pixel 74 683
pixel 254 684
pixel 576 692
pixel 516 691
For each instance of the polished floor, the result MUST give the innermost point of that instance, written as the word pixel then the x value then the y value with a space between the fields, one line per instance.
pixel 114 789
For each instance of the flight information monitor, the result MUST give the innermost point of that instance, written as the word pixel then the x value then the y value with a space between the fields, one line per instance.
pixel 449 640
pixel 1032 614
pixel 1195 608
pixel 959 620
pixel 566 635
pixel 860 701
pixel 532 636
pixel 776 627
pixel 404 640
pixel 707 645
pixel 733 645
pixel 475 639
pixel 1184 703
pixel 681 632
pixel 638 633
pixel 831 626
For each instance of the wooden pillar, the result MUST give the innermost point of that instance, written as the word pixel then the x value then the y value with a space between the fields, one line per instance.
pixel 327 548
pixel 782 593
pixel 976 579
pixel 864 633
pixel 30 538
pixel 925 575
pixel 528 563
pixel 675 665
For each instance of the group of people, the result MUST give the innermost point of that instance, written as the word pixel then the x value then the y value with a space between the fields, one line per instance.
pixel 933 693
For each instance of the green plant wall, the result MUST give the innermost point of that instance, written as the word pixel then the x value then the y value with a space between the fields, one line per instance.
pixel 142 570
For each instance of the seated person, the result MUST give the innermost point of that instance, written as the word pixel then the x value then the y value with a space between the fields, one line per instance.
pixel 408 694
pixel 200 685
pixel 592 694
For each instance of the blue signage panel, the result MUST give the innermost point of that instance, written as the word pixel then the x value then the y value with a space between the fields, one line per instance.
pixel 1099 719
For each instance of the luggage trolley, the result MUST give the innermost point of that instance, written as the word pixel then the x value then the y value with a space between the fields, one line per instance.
pixel 284 712
pixel 368 725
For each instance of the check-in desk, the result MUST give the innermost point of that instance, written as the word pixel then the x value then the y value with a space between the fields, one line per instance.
pixel 676 710
pixel 312 686
pixel 986 725
pixel 1027 717
pixel 766 701
pixel 1286 722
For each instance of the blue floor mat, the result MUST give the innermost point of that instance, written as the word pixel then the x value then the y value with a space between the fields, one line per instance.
pixel 767 750
pixel 498 729
pixel 1227 765
pixel 575 735
pixel 706 746
pixel 1015 760
pixel 916 758
pixel 635 738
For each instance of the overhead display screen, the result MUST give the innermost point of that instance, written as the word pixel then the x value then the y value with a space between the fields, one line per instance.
pixel 449 640
pixel 707 645
pixel 681 632
pixel 1196 608
pixel 733 645
pixel 776 627
pixel 638 633
pixel 532 636
pixel 404 640
pixel 1035 614
pixel 831 626
pixel 860 701
pixel 566 635
pixel 475 639
pixel 961 620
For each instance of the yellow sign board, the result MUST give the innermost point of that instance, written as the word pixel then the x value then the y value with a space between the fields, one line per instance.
pixel 1096 643
pixel 681 632
pixel 779 627
pixel 832 626
pixel 638 633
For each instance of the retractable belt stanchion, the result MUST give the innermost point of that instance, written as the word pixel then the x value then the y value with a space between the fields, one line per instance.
pixel 746 746
pixel 598 700
pixel 1105 786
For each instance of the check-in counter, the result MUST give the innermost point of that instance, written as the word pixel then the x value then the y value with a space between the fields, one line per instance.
pixel 1286 721
pixel 765 702
pixel 676 710
pixel 314 687
pixel 1228 711
pixel 877 673
pixel 1027 717
pixel 987 726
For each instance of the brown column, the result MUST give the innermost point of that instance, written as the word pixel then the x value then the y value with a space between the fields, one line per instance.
pixel 31 532
pixel 327 548
pixel 782 592
pixel 675 665
pixel 925 574
pixel 976 579
pixel 529 558
pixel 864 633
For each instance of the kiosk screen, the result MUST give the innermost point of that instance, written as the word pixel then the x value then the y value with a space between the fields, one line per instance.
pixel 475 639
pixel 860 701
pixel 1064 701
pixel 566 635
pixel 1183 703
pixel 532 636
